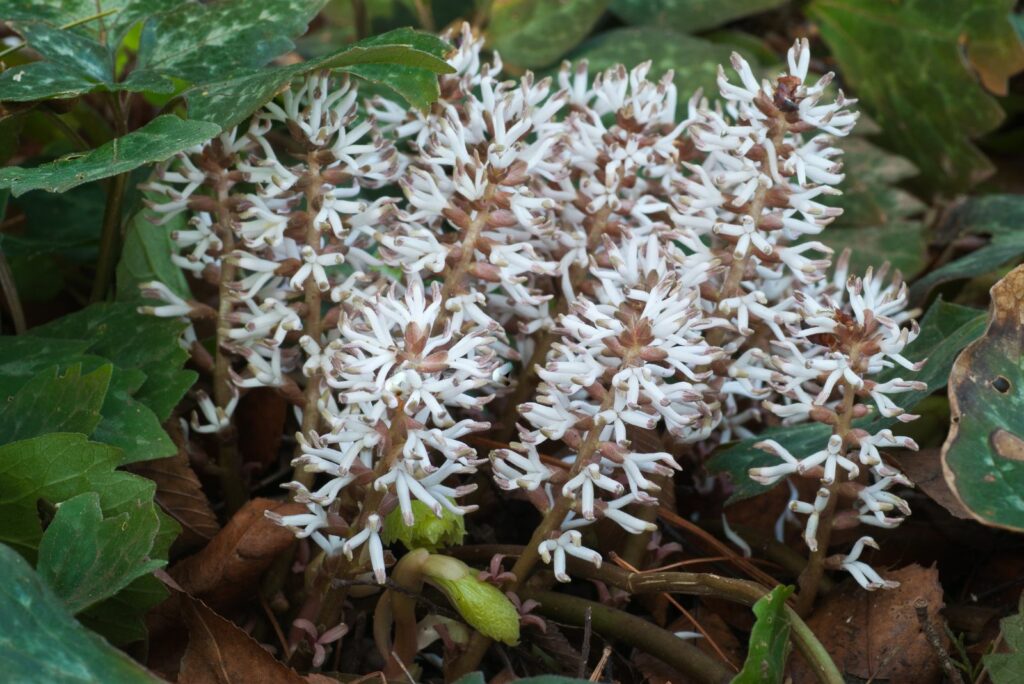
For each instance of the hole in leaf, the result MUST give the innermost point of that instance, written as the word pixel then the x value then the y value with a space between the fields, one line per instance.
pixel 1001 385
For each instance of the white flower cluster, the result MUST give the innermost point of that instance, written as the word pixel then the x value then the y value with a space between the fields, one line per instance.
pixel 655 277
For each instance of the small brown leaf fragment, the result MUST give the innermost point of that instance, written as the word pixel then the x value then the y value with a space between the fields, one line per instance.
pixel 228 570
pixel 925 470
pixel 181 496
pixel 875 635
pixel 220 653
pixel 1008 445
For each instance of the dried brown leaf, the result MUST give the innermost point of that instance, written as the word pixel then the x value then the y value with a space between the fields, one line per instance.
pixel 181 496
pixel 876 635
pixel 220 653
pixel 228 570
pixel 925 470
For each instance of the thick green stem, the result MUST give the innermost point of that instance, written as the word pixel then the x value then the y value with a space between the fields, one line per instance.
pixel 110 238
pixel 10 290
pixel 689 583
pixel 630 629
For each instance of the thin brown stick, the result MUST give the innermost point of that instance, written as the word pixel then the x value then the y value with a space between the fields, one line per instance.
pixel 682 609
pixel 921 610
pixel 605 654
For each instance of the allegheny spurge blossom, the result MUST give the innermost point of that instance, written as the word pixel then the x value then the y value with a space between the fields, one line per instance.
pixel 649 275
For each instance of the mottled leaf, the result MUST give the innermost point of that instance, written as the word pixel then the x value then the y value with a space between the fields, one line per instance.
pixel 86 558
pixel 945 330
pixel 999 216
pixel 41 642
pixel 689 16
pixel 535 33
pixel 901 243
pixel 769 640
pixel 157 140
pixel 936 106
pixel 42 81
pixel 407 55
pixel 694 60
pixel 56 402
pixel 201 42
pixel 983 457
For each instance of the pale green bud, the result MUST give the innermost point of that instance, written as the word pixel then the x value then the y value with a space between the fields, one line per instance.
pixel 480 604
pixel 427 531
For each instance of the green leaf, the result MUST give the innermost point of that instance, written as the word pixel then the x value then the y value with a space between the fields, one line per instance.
pixel 689 16
pixel 146 256
pixel 1008 668
pixel 68 224
pixel 41 642
pixel 416 79
pixel 983 457
pixel 42 81
pixel 129 424
pixel 133 341
pixel 79 58
pixel 22 357
pixel 86 558
pixel 694 60
pixel 535 33
pixel 769 640
pixel 55 402
pixel 1000 216
pixel 935 108
pixel 945 330
pixel 229 102
pixel 121 618
pixel 878 216
pixel 200 43
pixel 54 468
pixel 157 140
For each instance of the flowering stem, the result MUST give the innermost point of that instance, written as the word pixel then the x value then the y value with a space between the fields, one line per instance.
pixel 332 598
pixel 810 579
pixel 312 323
pixel 527 381
pixel 551 522
pixel 228 459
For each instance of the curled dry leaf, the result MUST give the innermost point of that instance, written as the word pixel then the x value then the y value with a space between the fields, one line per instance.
pixel 229 568
pixel 983 457
pixel 180 495
pixel 876 635
pixel 220 653
pixel 925 471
